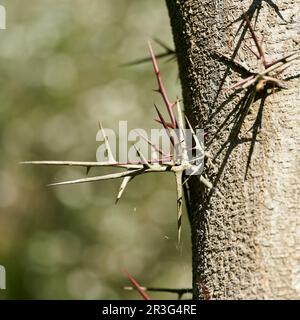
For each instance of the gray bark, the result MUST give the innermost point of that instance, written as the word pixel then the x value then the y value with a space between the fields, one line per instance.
pixel 246 244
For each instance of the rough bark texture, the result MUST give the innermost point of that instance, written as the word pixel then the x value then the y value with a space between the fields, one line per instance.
pixel 246 245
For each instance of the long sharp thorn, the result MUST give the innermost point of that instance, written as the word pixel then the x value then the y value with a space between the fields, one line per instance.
pixel 151 144
pixel 284 60
pixel 275 67
pixel 161 119
pixel 182 136
pixel 250 49
pixel 258 46
pixel 162 89
pixel 189 125
pixel 167 124
pixel 180 116
pixel 207 183
pixel 249 83
pixel 164 125
pixel 210 186
pixel 123 185
pixel 277 73
pixel 240 83
pixel 111 157
pixel 262 41
pixel 197 142
pixel 178 176
pixel 186 180
pixel 145 162
pixel 169 290
pixel 138 287
pixel 99 178
pixel 278 82
pixel 83 164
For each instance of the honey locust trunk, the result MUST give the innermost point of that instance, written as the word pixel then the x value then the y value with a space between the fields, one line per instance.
pixel 245 244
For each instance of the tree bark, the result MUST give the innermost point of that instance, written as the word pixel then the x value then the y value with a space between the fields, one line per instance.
pixel 245 243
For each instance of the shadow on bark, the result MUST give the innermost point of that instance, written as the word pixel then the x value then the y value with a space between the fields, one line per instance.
pixel 236 118
pixel 253 10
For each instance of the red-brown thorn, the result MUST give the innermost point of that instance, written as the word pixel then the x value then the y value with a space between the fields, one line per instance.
pixel 161 88
pixel 137 286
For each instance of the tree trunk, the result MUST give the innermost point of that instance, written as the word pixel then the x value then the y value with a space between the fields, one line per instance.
pixel 245 242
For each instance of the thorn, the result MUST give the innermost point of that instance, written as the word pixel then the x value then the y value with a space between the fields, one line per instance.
pixel 123 185
pixel 178 176
pixel 250 82
pixel 252 51
pixel 162 89
pixel 240 83
pixel 99 178
pixel 197 142
pixel 278 73
pixel 180 291
pixel 84 164
pixel 137 286
pixel 182 134
pixel 142 157
pixel 165 125
pixel 111 158
pixel 152 144
pixel 180 124
pixel 259 48
pixel 168 124
pixel 276 81
pixel 206 182
pixel 288 58
pixel 210 186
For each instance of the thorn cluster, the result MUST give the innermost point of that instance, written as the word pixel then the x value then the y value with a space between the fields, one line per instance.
pixel 268 75
pixel 177 164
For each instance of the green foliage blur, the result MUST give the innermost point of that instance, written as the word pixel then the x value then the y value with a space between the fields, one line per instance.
pixel 61 71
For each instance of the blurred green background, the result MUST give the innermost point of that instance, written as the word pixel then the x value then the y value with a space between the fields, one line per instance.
pixel 60 72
